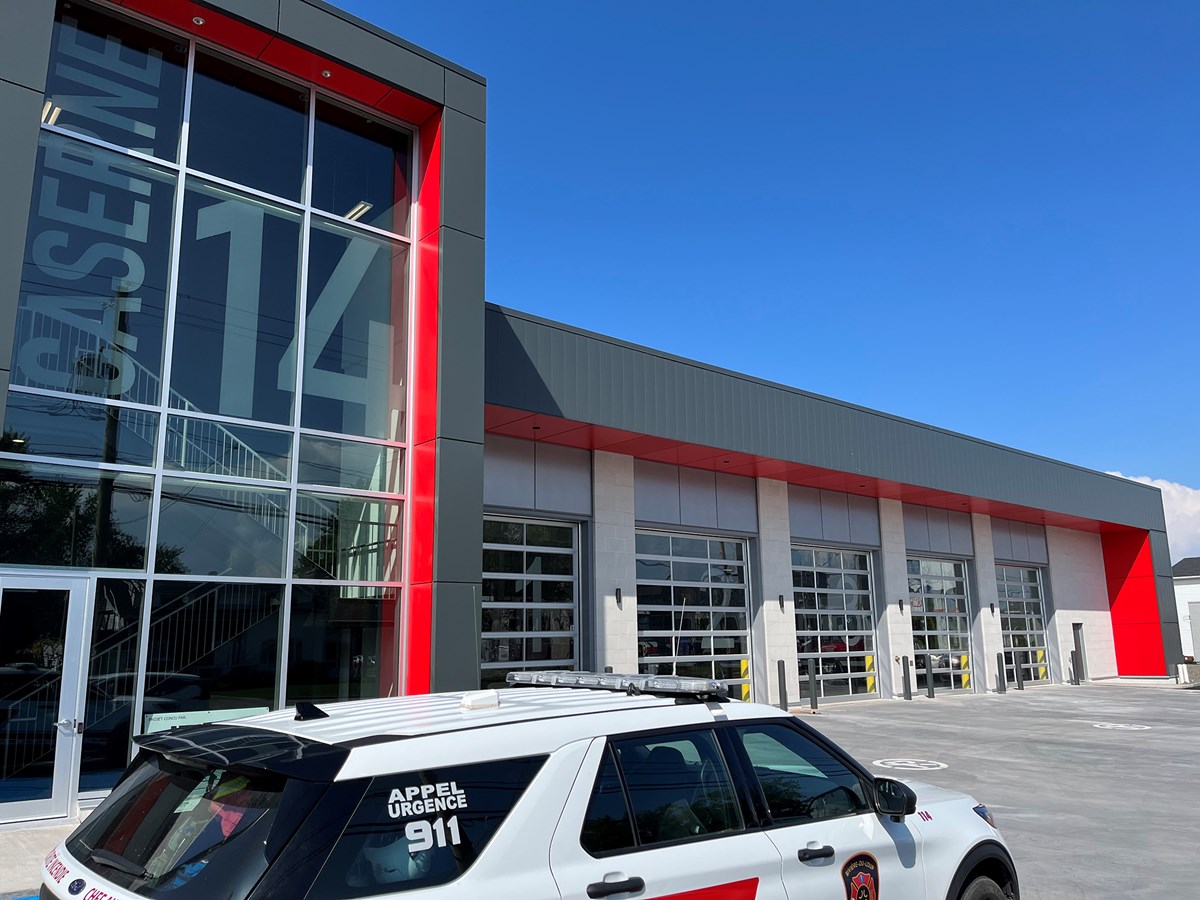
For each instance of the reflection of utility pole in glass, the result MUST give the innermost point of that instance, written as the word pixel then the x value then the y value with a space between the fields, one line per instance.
pixel 106 371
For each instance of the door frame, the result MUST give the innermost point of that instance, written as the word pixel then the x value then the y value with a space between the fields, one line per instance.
pixel 63 800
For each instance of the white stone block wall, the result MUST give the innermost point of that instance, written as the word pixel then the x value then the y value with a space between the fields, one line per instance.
pixel 1079 593
pixel 986 635
pixel 613 558
pixel 891 586
pixel 774 629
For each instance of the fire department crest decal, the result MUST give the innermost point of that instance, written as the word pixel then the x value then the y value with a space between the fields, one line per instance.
pixel 861 875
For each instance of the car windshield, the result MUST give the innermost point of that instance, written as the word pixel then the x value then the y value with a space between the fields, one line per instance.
pixel 188 830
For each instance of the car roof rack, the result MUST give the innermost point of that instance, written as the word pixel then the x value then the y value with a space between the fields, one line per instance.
pixel 703 689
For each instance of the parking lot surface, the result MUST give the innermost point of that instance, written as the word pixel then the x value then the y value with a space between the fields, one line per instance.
pixel 1096 788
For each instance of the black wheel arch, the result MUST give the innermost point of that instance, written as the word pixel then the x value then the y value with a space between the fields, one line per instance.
pixel 987 858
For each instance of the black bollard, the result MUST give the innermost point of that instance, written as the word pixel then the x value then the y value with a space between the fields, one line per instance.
pixel 783 704
pixel 907 680
pixel 1001 678
pixel 812 683
pixel 1017 668
pixel 929 675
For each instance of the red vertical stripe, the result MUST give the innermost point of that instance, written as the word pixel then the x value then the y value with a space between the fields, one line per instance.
pixel 423 415
pixel 1133 603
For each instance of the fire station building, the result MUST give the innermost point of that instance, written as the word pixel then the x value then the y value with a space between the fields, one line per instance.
pixel 264 441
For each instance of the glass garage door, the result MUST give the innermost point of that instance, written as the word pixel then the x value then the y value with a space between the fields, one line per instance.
pixel 1022 622
pixel 530 597
pixel 835 620
pixel 937 595
pixel 692 608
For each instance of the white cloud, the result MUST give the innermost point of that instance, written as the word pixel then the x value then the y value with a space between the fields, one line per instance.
pixel 1182 507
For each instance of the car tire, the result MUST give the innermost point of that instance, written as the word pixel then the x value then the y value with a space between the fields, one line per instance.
pixel 982 888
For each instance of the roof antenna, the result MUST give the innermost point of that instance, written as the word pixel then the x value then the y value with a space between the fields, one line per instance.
pixel 306 711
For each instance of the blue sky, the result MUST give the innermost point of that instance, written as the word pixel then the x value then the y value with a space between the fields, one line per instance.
pixel 980 215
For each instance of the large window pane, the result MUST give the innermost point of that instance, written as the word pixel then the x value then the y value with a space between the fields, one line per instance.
pixel 59 516
pixel 235 325
pixel 217 529
pixel 93 294
pixel 115 81
pixel 212 646
pixel 351 464
pixel 33 630
pixel 247 128
pixel 112 681
pixel 347 538
pixel 354 356
pixel 45 426
pixel 360 168
pixel 215 448
pixel 343 643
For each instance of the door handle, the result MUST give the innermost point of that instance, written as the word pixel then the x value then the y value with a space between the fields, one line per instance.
pixel 810 853
pixel 608 888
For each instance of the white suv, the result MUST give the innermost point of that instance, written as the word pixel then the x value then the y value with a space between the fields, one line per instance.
pixel 568 785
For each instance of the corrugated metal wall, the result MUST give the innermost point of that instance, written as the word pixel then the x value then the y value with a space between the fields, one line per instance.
pixel 541 366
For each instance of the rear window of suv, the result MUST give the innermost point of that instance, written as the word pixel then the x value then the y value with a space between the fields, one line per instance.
pixel 423 828
pixel 183 830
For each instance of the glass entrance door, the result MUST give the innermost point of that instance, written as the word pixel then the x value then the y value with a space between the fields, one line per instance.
pixel 41 635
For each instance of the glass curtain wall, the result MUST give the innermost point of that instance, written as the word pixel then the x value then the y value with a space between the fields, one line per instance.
pixel 1022 622
pixel 692 608
pixel 941 622
pixel 835 621
pixel 209 375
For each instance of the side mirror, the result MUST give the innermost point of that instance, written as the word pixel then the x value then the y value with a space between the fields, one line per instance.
pixel 894 799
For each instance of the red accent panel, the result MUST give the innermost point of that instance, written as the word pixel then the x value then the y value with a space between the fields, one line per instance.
pixel 221 30
pixel 418 637
pixel 308 66
pixel 405 106
pixel 226 31
pixel 418 658
pixel 734 890
pixel 1133 601
pixel 429 188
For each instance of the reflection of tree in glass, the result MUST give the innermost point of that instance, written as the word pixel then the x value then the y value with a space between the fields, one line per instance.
pixel 53 523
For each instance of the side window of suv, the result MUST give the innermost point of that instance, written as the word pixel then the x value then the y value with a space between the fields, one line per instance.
pixel 800 781
pixel 675 787
pixel 418 829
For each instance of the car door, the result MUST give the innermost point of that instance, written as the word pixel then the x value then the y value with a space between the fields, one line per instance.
pixel 819 813
pixel 656 816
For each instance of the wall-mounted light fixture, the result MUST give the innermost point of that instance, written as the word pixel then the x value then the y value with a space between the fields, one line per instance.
pixel 619 605
pixel 993 605
pixel 901 602
pixel 781 602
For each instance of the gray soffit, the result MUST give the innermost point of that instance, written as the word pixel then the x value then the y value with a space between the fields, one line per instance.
pixel 545 367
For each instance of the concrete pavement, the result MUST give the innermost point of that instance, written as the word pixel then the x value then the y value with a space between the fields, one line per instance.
pixel 1090 810
pixel 1092 807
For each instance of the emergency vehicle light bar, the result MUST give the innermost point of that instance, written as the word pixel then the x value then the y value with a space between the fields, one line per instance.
pixel 657 685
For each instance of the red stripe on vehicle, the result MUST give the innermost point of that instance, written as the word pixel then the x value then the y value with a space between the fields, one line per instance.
pixel 735 890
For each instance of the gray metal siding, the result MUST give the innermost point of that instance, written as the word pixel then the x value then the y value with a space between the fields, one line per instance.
pixel 1019 542
pixel 546 367
pixel 696 498
pixel 928 529
pixel 24 53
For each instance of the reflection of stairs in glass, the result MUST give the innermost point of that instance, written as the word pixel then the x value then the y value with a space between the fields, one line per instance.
pixel 195 445
pixel 194 625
